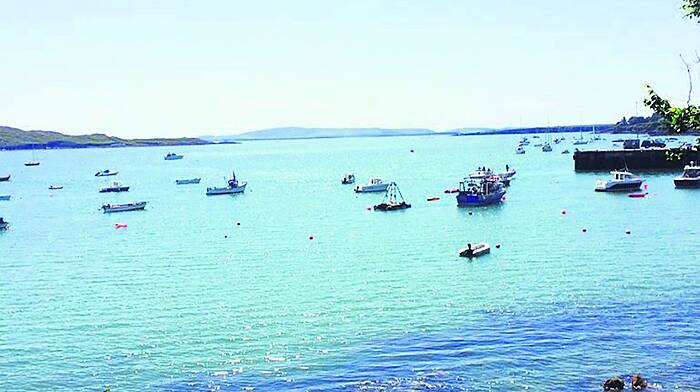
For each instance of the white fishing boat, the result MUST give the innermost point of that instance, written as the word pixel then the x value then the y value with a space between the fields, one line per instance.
pixel 690 177
pixel 621 181
pixel 233 187
pixel 374 185
pixel 475 251
pixel 348 179
pixel 172 156
pixel 109 208
pixel 106 173
pixel 188 181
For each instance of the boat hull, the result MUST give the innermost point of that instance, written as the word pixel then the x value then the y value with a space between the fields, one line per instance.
pixel 4 179
pixel 226 191
pixel 5 197
pixel 619 186
pixel 465 199
pixel 112 208
pixel 372 188
pixel 31 164
pixel 687 182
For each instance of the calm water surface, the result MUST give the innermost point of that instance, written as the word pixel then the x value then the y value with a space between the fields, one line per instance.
pixel 186 299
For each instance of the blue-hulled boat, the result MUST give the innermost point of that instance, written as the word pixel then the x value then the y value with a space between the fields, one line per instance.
pixel 5 197
pixel 474 193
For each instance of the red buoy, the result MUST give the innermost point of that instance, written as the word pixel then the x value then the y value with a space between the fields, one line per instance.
pixel 311 237
pixel 563 212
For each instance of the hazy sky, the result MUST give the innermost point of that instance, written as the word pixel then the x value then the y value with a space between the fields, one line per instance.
pixel 187 68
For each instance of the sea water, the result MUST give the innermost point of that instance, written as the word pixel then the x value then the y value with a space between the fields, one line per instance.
pixel 297 285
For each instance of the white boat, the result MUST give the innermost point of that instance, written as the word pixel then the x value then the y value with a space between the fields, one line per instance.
pixel 481 172
pixel 374 185
pixel 172 156
pixel 520 150
pixel 546 147
pixel 106 173
pixel 690 177
pixel 621 181
pixel 115 187
pixel 188 181
pixel 475 251
pixel 5 197
pixel 108 208
pixel 233 187
pixel 508 174
pixel 348 179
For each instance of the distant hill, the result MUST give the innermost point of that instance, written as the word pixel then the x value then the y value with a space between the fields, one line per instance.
pixel 18 139
pixel 314 133
pixel 515 131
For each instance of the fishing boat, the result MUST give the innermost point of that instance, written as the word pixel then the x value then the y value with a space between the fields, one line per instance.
pixel 106 173
pixel 480 193
pixel 4 224
pixel 481 173
pixel 520 150
pixel 5 178
pixel 5 197
pixel 477 250
pixel 109 208
pixel 374 185
pixel 233 187
pixel 55 187
pixel 393 200
pixel 172 156
pixel 546 147
pixel 348 179
pixel 621 181
pixel 115 187
pixel 690 177
pixel 188 181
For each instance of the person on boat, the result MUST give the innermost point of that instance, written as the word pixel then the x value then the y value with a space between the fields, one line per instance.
pixel 470 251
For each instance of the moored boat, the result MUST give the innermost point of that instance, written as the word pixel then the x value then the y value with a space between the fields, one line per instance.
pixel 5 197
pixel 233 187
pixel 546 147
pixel 55 187
pixel 393 200
pixel 480 193
pixel 4 224
pixel 109 208
pixel 621 181
pixel 106 173
pixel 115 187
pixel 566 152
pixel 5 178
pixel 477 250
pixel 172 156
pixel 374 185
pixel 31 163
pixel 188 181
pixel 481 173
pixel 348 179
pixel 690 177
pixel 520 150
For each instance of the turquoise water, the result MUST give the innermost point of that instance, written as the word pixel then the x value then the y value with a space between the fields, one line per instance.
pixel 186 299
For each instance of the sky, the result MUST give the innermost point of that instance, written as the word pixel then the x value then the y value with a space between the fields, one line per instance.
pixel 188 68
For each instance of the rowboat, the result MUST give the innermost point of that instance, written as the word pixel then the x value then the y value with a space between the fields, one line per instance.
pixel 188 181
pixel 109 208
pixel 475 251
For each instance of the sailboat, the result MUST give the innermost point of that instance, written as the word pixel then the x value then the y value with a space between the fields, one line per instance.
pixel 580 140
pixel 34 161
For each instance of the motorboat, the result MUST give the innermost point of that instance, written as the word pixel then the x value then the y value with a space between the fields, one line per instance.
pixel 348 179
pixel 621 181
pixel 5 197
pixel 106 173
pixel 476 250
pixel 481 172
pixel 55 187
pixel 172 156
pixel 474 193
pixel 546 147
pixel 32 163
pixel 508 174
pixel 520 150
pixel 4 224
pixel 233 187
pixel 115 187
pixel 393 200
pixel 188 181
pixel 109 208
pixel 374 185
pixel 690 177
pixel 5 178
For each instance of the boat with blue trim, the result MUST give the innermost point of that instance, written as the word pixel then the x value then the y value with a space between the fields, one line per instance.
pixel 473 193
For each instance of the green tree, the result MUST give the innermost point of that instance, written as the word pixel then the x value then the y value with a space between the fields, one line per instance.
pixel 692 8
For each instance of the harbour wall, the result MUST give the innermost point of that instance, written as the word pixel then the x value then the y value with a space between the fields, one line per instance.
pixel 636 159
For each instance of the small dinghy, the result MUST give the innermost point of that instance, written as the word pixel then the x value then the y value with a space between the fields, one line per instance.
pixel 106 173
pixel 638 195
pixel 475 251
pixel 109 208
pixel 5 197
pixel 433 198
pixel 348 179
pixel 173 157
pixel 452 190
pixel 5 178
pixel 393 200
pixel 188 181
pixel 115 187
pixel 55 187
